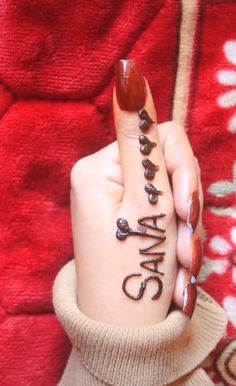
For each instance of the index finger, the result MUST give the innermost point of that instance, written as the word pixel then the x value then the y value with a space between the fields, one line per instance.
pixel 181 166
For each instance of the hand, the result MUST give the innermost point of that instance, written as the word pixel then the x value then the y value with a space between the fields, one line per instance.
pixel 118 282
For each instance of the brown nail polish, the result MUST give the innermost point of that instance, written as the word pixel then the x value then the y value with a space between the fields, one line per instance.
pixel 196 258
pixel 130 85
pixel 190 297
pixel 193 211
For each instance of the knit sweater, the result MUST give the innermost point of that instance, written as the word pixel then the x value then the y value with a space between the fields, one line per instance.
pixel 167 353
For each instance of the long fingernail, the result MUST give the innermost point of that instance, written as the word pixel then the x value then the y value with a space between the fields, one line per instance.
pixel 190 297
pixel 196 258
pixel 130 85
pixel 193 211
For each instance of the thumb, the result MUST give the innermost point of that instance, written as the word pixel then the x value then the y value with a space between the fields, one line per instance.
pixel 139 146
pixel 143 167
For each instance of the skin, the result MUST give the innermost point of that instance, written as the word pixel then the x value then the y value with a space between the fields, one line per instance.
pixel 110 184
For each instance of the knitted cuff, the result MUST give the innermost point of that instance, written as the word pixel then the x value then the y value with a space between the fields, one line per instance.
pixel 158 354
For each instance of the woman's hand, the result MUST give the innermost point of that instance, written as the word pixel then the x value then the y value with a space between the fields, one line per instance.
pixel 126 261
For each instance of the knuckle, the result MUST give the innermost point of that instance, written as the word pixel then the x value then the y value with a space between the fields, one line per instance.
pixel 129 126
pixel 78 173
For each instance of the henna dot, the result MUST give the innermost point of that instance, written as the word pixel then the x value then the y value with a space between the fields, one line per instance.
pixel 120 235
pixel 146 145
pixel 153 193
pixel 144 125
pixel 123 225
pixel 143 114
pixel 149 174
pixel 150 169
pixel 153 198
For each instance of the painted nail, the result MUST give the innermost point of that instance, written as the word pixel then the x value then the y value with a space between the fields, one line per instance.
pixel 196 258
pixel 190 297
pixel 193 211
pixel 130 85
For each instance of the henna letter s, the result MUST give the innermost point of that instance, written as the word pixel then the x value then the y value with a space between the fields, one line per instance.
pixel 143 286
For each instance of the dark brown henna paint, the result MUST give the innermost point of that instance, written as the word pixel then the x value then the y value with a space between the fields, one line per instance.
pixel 143 286
pixel 146 121
pixel 196 258
pixel 123 225
pixel 130 85
pixel 146 145
pixel 190 297
pixel 153 193
pixel 150 169
pixel 143 114
pixel 146 251
pixel 124 231
pixel 152 264
pixel 131 96
pixel 193 211
pixel 143 222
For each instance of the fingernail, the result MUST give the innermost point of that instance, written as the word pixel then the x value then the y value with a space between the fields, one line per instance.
pixel 190 297
pixel 193 211
pixel 196 258
pixel 130 85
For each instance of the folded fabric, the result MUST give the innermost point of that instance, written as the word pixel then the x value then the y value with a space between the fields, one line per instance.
pixel 161 354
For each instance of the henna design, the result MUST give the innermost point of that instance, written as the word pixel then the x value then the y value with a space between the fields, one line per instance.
pixel 146 145
pixel 124 231
pixel 154 218
pixel 146 121
pixel 143 286
pixel 150 169
pixel 123 225
pixel 153 193
pixel 145 251
pixel 146 264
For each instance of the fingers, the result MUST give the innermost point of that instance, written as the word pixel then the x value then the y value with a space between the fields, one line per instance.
pixel 184 172
pixel 185 293
pixel 189 244
pixel 140 152
pixel 189 252
pixel 180 163
pixel 189 249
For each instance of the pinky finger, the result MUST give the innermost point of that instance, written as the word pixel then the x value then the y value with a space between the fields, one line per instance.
pixel 185 293
pixel 189 245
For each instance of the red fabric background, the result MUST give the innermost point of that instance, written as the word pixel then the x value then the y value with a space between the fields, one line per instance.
pixel 215 146
pixel 56 76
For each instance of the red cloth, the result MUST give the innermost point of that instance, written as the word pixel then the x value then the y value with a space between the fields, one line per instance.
pixel 56 76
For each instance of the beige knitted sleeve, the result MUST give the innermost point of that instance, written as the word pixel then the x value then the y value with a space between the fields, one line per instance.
pixel 168 353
